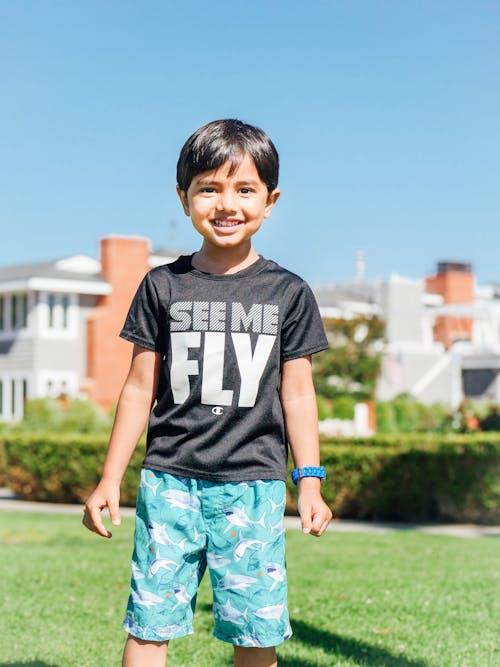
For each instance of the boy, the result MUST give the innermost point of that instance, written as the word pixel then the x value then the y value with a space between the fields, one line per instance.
pixel 221 367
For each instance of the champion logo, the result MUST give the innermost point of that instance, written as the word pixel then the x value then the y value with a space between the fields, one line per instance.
pixel 217 410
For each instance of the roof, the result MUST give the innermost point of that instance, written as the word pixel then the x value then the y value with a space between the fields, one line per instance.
pixel 79 274
pixel 347 300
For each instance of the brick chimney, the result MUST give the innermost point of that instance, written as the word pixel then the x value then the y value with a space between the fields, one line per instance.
pixel 454 281
pixel 124 262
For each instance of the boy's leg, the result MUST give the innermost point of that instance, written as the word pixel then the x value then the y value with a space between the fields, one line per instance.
pixel 246 559
pixel 167 564
pixel 255 657
pixel 138 653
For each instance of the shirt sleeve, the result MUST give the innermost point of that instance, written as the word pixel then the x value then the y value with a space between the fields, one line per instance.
pixel 145 322
pixel 303 332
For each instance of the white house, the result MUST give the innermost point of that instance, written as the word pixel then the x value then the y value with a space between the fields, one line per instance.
pixel 442 333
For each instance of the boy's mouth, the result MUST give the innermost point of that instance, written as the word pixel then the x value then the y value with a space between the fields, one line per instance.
pixel 226 223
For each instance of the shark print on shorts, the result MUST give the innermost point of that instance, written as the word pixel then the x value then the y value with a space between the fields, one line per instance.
pixel 235 529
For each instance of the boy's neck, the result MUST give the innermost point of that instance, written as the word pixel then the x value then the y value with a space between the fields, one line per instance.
pixel 223 260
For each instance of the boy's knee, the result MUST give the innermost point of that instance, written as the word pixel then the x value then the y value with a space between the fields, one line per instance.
pixel 255 657
pixel 146 642
pixel 139 652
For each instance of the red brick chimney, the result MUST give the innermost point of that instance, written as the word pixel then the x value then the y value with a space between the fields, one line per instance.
pixel 124 262
pixel 454 281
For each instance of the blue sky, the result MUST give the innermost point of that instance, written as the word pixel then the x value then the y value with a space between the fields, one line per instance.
pixel 386 115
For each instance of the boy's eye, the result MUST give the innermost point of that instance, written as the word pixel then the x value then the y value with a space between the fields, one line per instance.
pixel 246 191
pixel 207 189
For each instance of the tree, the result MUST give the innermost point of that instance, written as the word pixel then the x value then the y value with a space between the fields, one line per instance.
pixel 351 365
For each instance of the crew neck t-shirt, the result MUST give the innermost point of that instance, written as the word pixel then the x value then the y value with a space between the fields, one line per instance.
pixel 217 413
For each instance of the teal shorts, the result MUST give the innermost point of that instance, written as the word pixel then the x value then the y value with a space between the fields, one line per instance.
pixel 236 529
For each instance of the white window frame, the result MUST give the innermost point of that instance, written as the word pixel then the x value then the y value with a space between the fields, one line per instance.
pixel 56 383
pixel 14 381
pixel 3 313
pixel 22 330
pixel 57 330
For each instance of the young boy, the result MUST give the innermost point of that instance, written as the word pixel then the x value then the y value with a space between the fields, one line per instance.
pixel 221 366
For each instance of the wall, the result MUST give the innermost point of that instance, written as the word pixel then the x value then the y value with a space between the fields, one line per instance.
pixel 456 287
pixel 125 261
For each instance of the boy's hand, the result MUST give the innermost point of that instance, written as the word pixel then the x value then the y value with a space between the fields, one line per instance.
pixel 106 494
pixel 314 512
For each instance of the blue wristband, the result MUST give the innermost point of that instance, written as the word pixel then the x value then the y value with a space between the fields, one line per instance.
pixel 308 471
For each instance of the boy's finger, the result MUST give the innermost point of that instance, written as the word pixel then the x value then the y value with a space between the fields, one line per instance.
pixel 114 513
pixel 317 522
pixel 93 521
pixel 325 526
pixel 321 530
pixel 305 515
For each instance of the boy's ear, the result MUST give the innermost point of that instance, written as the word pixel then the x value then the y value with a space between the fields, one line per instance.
pixel 271 201
pixel 183 197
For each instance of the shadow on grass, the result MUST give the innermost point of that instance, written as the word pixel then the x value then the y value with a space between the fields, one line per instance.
pixel 335 645
pixel 344 647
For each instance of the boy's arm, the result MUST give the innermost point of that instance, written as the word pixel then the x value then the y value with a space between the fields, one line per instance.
pixel 298 400
pixel 132 413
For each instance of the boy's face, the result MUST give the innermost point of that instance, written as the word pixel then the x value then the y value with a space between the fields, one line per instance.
pixel 228 209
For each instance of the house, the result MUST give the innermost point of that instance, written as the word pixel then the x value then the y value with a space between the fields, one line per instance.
pixel 60 320
pixel 59 324
pixel 442 332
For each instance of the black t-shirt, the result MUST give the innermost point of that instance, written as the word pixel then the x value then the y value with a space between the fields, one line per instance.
pixel 222 338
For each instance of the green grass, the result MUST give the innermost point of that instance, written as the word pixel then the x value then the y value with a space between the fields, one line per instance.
pixel 396 600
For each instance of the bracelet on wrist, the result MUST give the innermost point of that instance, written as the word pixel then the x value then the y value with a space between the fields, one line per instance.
pixel 308 471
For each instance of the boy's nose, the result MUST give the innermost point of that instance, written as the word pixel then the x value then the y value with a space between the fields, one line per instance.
pixel 226 202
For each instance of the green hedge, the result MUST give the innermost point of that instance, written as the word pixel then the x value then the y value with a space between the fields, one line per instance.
pixel 62 467
pixel 4 480
pixel 402 478
pixel 414 478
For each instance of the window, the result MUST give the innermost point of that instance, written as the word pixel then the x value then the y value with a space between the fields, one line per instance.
pixel 13 313
pixel 12 397
pixel 56 384
pixel 65 311
pixel 52 306
pixel 14 391
pixel 23 315
pixel 59 315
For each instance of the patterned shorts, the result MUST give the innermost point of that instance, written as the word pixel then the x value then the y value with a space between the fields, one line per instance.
pixel 236 529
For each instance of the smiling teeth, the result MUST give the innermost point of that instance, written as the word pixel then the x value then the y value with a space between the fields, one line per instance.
pixel 226 223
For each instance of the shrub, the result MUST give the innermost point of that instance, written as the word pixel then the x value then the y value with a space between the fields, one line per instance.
pixel 75 416
pixel 4 479
pixel 385 418
pixel 404 414
pixel 324 407
pixel 62 467
pixel 491 421
pixel 84 416
pixel 387 478
pixel 343 407
pixel 41 414
pixel 412 478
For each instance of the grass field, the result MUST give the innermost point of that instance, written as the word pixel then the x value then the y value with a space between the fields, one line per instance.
pixel 393 600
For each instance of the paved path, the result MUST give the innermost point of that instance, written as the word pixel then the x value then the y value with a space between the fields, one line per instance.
pixel 8 502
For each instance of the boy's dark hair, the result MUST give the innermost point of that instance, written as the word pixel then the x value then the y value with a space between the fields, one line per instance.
pixel 227 140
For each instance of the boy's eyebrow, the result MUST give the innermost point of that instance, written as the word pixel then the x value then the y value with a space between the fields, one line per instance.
pixel 206 181
pixel 214 181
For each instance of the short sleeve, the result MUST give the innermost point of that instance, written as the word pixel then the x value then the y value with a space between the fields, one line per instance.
pixel 302 332
pixel 144 323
